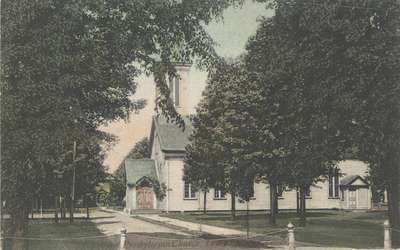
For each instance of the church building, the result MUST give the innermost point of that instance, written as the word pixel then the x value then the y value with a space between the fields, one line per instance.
pixel 345 187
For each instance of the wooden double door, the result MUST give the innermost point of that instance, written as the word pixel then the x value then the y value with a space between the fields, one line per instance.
pixel 144 198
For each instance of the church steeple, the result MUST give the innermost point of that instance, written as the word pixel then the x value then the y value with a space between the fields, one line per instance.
pixel 179 88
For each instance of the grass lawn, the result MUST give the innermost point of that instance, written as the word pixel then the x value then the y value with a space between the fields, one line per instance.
pixel 47 235
pixel 327 228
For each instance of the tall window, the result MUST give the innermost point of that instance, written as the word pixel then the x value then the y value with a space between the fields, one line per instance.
pixel 189 192
pixel 333 182
pixel 219 194
pixel 174 88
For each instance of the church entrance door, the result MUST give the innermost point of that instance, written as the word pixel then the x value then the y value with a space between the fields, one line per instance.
pixel 144 198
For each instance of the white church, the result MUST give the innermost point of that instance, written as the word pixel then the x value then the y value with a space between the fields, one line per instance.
pixel 345 188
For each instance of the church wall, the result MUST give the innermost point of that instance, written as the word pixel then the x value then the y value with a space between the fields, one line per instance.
pixel 259 202
pixel 130 199
pixel 176 201
pixel 319 193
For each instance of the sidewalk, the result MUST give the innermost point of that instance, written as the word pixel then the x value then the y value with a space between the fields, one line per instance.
pixel 110 222
pixel 193 226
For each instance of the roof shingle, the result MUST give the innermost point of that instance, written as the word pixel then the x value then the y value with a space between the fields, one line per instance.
pixel 137 168
pixel 172 137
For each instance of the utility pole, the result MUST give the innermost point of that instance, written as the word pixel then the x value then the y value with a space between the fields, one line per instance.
pixel 71 216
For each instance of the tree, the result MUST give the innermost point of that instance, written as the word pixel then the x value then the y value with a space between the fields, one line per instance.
pixel 199 166
pixel 204 154
pixel 340 71
pixel 69 67
pixel 221 148
pixel 269 57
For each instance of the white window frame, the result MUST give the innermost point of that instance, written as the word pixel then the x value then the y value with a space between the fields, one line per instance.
pixel 219 194
pixel 190 192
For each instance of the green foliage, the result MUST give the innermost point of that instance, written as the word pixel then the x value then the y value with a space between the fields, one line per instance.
pixel 69 66
pixel 331 77
pixel 160 189
pixel 222 152
pixel 140 150
pixel 319 80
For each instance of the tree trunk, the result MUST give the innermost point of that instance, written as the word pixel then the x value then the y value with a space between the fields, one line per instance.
pixel 60 206
pixel 63 208
pixel 276 202
pixel 37 206
pixel 247 219
pixel 71 209
pixel 87 207
pixel 297 203
pixel 205 203
pixel 33 208
pixel 272 201
pixel 303 218
pixel 19 224
pixel 56 210
pixel 41 207
pixel 233 205
pixel 393 204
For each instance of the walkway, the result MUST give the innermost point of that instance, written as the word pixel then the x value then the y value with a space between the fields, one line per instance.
pixel 110 222
pixel 193 226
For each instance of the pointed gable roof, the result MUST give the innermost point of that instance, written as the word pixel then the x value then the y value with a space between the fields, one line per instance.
pixel 171 137
pixel 136 169
pixel 350 179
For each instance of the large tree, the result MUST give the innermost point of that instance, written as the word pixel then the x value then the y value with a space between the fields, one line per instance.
pixel 222 147
pixel 206 157
pixel 69 67
pixel 339 64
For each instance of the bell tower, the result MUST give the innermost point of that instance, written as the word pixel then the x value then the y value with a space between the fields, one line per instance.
pixel 179 88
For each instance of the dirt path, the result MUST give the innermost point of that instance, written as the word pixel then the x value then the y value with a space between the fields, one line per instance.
pixel 111 223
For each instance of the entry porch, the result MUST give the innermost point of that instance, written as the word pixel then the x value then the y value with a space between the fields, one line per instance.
pixel 141 177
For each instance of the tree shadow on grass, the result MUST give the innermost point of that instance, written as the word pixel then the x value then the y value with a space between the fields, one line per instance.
pixel 107 222
pixel 375 216
pixel 57 236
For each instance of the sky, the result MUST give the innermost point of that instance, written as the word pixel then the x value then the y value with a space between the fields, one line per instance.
pixel 231 35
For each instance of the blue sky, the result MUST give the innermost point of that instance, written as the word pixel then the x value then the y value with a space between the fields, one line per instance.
pixel 231 35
